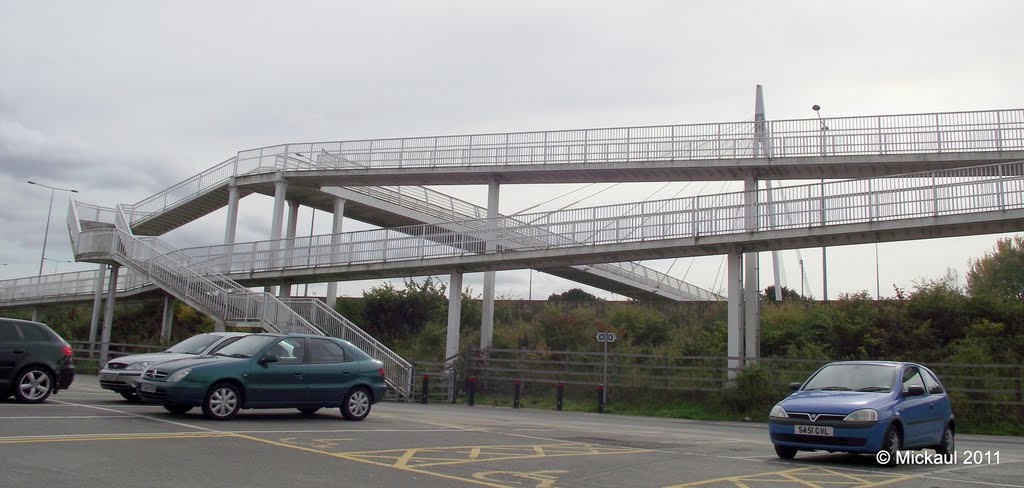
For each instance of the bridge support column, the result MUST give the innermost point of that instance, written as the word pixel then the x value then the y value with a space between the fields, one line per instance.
pixel 285 290
pixel 751 297
pixel 108 316
pixel 97 305
pixel 168 319
pixel 232 222
pixel 454 316
pixel 339 216
pixel 735 314
pixel 487 311
pixel 277 218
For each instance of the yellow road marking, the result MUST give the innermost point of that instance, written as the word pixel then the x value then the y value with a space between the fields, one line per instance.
pixel 108 437
pixel 443 456
pixel 809 476
pixel 544 478
pixel 344 456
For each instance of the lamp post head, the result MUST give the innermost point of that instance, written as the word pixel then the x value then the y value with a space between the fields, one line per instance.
pixel 815 107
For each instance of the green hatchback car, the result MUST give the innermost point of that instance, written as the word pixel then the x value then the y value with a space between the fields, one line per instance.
pixel 300 371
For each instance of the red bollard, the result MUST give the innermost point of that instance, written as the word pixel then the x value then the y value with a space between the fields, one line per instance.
pixel 471 389
pixel 559 395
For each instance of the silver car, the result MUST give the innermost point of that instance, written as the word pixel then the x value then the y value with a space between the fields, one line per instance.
pixel 120 374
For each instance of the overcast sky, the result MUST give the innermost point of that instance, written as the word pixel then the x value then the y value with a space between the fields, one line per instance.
pixel 120 100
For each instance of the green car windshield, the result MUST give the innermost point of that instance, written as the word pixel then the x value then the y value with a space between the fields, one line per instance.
pixel 853 377
pixel 246 346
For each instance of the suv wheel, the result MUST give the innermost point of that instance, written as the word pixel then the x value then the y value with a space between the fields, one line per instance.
pixel 34 385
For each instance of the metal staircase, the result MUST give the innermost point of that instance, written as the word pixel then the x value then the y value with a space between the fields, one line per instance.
pixel 203 288
pixel 409 205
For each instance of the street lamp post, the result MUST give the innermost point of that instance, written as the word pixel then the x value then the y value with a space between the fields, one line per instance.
pixel 46 233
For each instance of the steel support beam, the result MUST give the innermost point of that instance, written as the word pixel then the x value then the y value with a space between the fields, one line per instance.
pixel 336 230
pixel 751 296
pixel 285 291
pixel 487 311
pixel 277 218
pixel 167 321
pixel 735 314
pixel 454 316
pixel 97 305
pixel 108 316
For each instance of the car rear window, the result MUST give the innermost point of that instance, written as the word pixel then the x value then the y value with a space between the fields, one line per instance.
pixel 35 333
pixel 8 333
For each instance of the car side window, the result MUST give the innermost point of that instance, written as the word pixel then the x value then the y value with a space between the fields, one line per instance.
pixel 33 333
pixel 933 385
pixel 8 333
pixel 325 351
pixel 912 377
pixel 289 351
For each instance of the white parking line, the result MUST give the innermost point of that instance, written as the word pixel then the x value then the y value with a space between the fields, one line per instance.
pixel 149 417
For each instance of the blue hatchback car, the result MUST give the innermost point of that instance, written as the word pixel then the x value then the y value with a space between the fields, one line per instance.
pixel 864 407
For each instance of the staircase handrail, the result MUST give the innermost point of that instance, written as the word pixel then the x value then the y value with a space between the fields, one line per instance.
pixel 397 369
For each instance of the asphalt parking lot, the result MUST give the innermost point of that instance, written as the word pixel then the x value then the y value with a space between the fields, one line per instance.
pixel 88 437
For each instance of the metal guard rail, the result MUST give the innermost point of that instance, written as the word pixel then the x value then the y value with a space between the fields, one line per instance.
pixel 949 192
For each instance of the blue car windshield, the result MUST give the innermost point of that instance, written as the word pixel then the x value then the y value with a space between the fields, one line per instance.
pixel 195 344
pixel 246 346
pixel 853 377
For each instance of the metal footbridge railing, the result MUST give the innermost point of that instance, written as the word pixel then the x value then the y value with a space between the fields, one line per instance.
pixel 645 224
pixel 209 291
pixel 936 133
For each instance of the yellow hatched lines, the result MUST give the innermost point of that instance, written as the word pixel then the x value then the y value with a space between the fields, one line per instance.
pixel 109 437
pixel 812 477
pixel 418 458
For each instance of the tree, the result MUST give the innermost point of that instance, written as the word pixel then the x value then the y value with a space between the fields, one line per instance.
pixel 573 295
pixel 787 294
pixel 1000 274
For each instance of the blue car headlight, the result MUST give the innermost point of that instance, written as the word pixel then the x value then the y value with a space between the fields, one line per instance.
pixel 178 375
pixel 778 412
pixel 862 415
pixel 139 366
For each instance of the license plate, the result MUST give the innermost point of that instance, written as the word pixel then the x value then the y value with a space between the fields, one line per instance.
pixel 108 377
pixel 148 388
pixel 815 430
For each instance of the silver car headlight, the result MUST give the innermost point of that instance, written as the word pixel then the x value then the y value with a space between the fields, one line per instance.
pixel 778 412
pixel 863 415
pixel 179 375
pixel 139 366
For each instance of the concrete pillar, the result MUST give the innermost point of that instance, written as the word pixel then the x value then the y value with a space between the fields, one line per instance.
pixel 97 304
pixel 168 319
pixel 108 315
pixel 285 290
pixel 232 223
pixel 339 216
pixel 454 316
pixel 277 218
pixel 35 314
pixel 735 313
pixel 751 297
pixel 487 311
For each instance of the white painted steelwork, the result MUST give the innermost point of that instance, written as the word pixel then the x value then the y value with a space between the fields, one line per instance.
pixel 936 133
pixel 951 192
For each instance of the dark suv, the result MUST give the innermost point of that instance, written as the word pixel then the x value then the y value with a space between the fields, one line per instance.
pixel 34 361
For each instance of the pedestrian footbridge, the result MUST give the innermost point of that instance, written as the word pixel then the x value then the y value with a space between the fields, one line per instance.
pixel 881 178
